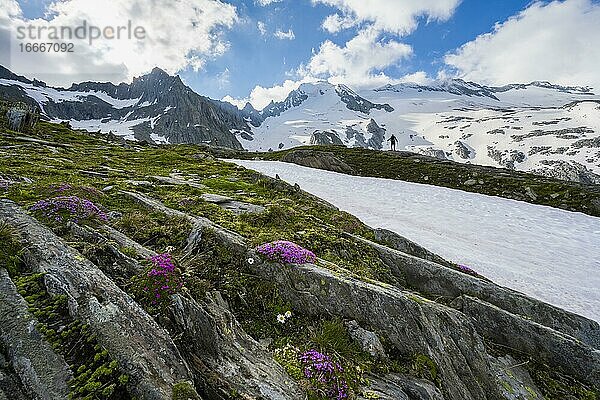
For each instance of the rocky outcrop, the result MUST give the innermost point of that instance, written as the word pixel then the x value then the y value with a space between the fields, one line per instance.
pixel 452 337
pixel 377 135
pixel 410 323
pixel 21 120
pixel 435 281
pixel 401 321
pixel 41 371
pixel 317 159
pixel 568 171
pixel 324 138
pixel 545 345
pixel 399 387
pixel 143 349
pixel 212 340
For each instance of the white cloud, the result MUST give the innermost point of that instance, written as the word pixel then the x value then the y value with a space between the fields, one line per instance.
pixel 419 77
pixel 390 16
pixel 260 97
pixel 336 23
pixel 264 3
pixel 262 28
pixel 281 35
pixel 187 34
pixel 557 42
pixel 360 62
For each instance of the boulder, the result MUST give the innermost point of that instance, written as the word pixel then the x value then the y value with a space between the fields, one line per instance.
pixel 318 159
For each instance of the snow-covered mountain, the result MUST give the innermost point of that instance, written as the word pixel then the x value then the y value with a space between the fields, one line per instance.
pixel 540 127
pixel 156 107
pixel 549 129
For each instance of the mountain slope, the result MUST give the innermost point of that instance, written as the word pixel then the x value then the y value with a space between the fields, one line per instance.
pixel 539 127
pixel 156 107
pixel 82 290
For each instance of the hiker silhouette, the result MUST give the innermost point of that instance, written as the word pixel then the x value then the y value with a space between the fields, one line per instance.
pixel 393 140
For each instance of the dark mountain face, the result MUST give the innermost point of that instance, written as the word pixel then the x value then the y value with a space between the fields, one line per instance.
pixel 356 103
pixel 163 105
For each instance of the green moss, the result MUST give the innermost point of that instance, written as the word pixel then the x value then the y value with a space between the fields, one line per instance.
pixel 555 386
pixel 425 368
pixel 129 251
pixel 155 230
pixel 95 374
pixel 184 391
pixel 10 249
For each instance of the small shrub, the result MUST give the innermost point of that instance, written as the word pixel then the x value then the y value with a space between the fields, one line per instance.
pixel 286 252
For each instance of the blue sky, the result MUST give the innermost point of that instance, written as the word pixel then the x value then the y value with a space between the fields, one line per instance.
pixel 244 50
pixel 254 59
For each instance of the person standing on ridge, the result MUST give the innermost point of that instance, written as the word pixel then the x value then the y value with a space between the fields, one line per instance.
pixel 393 140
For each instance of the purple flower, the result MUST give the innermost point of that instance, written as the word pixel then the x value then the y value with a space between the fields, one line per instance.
pixel 70 208
pixel 467 270
pixel 325 374
pixel 286 252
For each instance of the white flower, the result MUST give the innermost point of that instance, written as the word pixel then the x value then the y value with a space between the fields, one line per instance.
pixel 281 318
pixel 288 314
pixel 251 261
pixel 170 249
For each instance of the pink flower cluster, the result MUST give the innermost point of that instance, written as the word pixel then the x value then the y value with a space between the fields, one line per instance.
pixel 286 252
pixel 69 208
pixel 163 265
pixel 324 374
pixel 163 279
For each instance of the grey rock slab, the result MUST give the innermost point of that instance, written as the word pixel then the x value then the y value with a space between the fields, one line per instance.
pixel 411 324
pixel 400 387
pixel 43 373
pixel 368 341
pixel 541 343
pixel 211 334
pixel 125 242
pixel 317 159
pixel 143 349
pixel 435 280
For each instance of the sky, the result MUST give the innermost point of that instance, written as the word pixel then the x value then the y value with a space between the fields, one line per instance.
pixel 260 50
